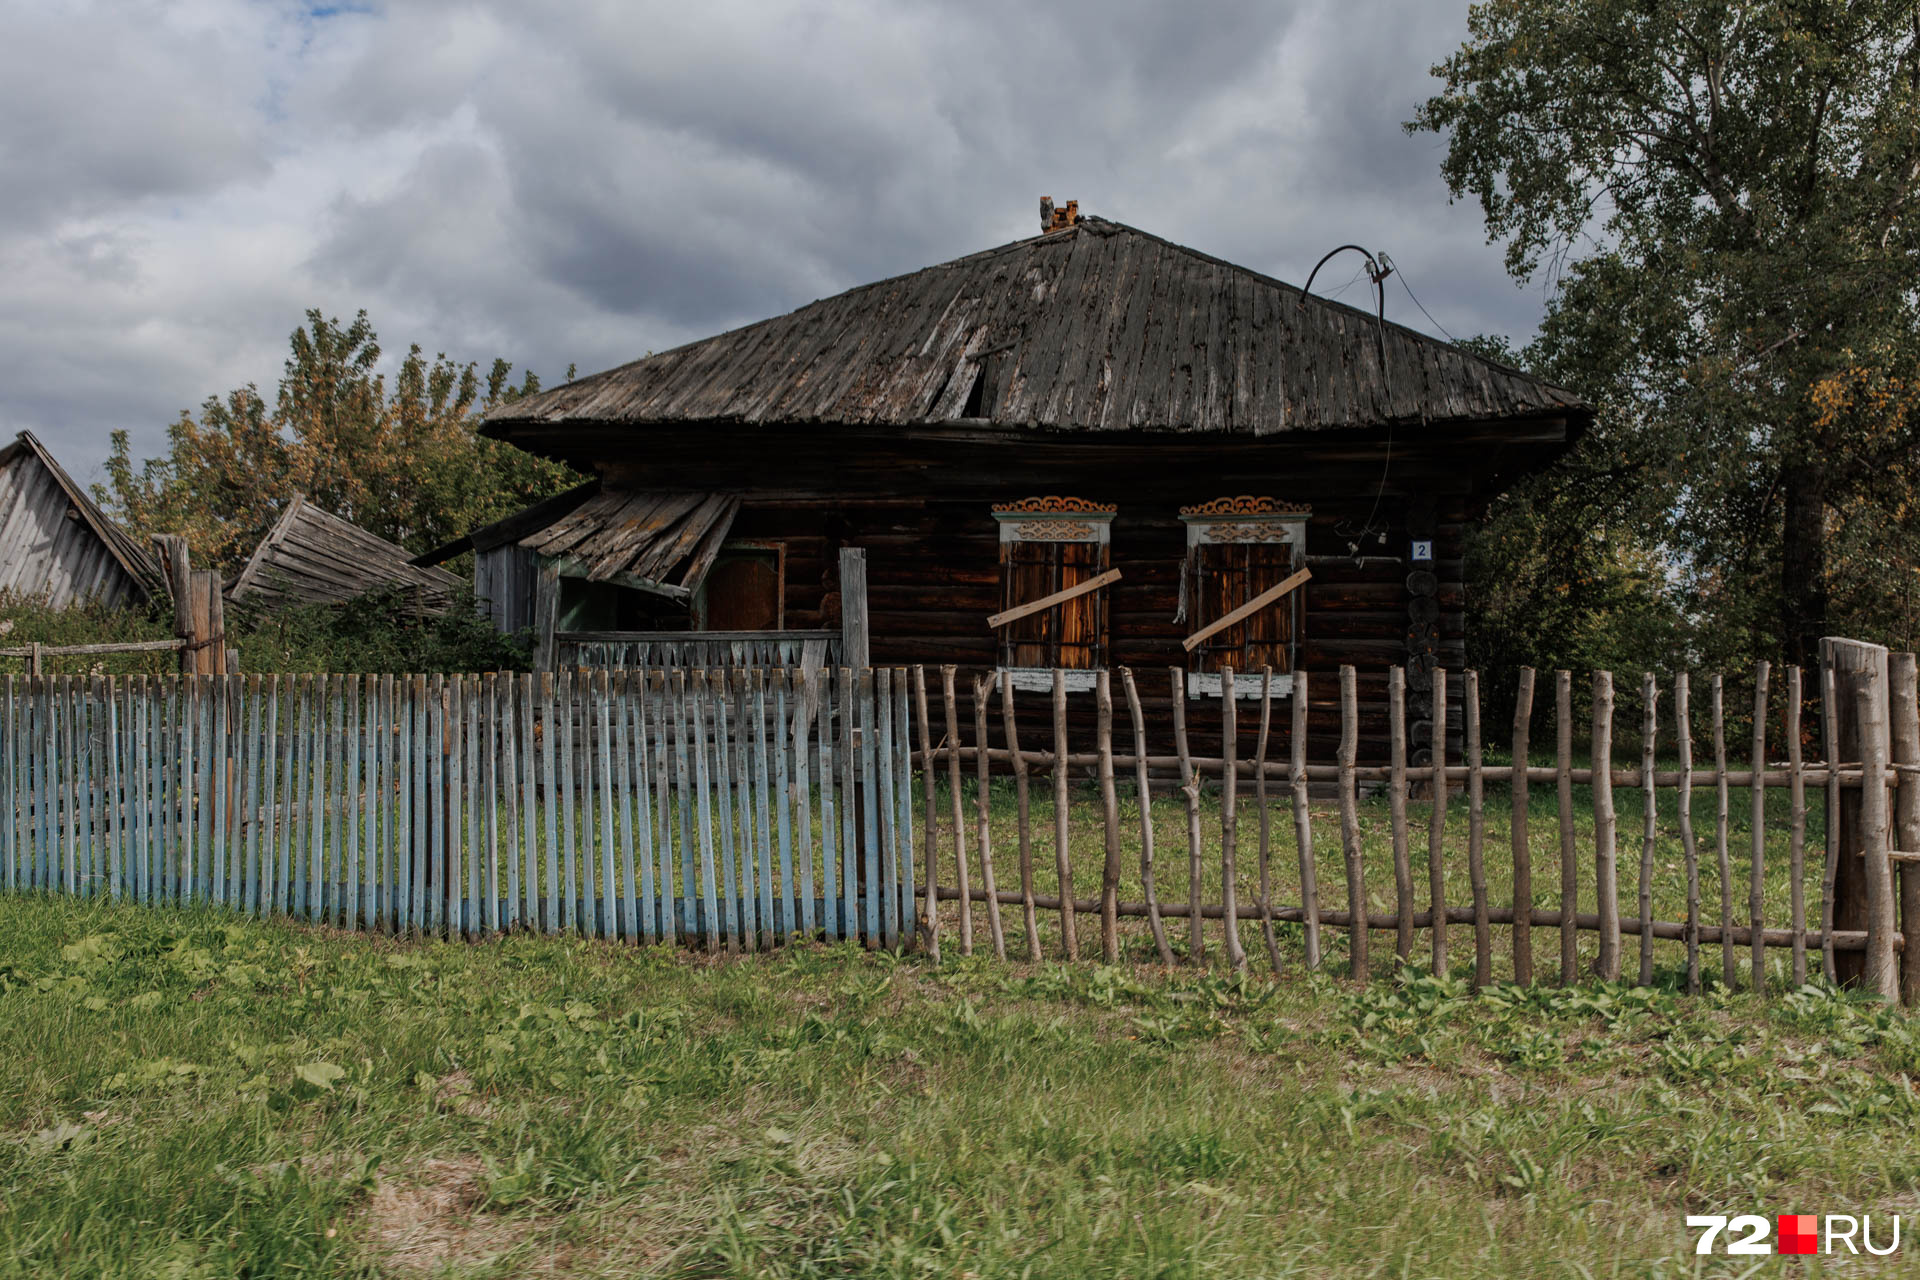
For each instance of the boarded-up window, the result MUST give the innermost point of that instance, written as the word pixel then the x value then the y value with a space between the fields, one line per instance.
pixel 744 591
pixel 1237 549
pixel 1048 545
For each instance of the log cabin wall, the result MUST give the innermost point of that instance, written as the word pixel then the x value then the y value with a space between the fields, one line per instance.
pixel 934 575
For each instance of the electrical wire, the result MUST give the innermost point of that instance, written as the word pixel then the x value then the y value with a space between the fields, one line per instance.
pixel 1377 269
pixel 1423 310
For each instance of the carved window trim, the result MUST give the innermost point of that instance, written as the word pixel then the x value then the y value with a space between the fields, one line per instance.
pixel 1059 521
pixel 1243 520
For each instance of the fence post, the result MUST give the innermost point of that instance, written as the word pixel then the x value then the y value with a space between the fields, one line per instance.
pixel 1862 895
pixel 1904 692
pixel 1522 851
pixel 1605 877
pixel 853 608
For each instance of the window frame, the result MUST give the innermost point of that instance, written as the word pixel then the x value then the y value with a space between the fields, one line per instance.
pixel 1241 521
pixel 1056 521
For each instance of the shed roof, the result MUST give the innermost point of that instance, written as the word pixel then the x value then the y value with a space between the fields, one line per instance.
pixel 1097 328
pixel 659 542
pixel 314 557
pixel 512 528
pixel 126 551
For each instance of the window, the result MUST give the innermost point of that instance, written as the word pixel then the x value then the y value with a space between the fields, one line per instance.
pixel 745 590
pixel 1237 549
pixel 1048 547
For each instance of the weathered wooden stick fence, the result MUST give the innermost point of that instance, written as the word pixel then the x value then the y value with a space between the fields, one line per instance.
pixel 737 808
pixel 1873 743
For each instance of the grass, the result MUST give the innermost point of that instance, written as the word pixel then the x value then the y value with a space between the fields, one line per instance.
pixel 185 1094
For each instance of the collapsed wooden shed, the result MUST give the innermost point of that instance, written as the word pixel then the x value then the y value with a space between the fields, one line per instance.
pixel 56 545
pixel 1087 449
pixel 314 557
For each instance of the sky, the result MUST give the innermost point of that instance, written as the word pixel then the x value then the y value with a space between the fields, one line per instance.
pixel 583 181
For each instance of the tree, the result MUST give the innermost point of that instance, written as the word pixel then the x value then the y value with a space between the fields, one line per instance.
pixel 1725 191
pixel 406 464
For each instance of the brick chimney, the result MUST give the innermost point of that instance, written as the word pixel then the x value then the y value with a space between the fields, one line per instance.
pixel 1052 219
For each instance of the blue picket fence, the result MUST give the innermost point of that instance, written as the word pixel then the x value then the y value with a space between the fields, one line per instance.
pixel 736 808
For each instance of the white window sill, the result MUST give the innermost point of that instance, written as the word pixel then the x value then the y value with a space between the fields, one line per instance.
pixel 1201 684
pixel 1040 679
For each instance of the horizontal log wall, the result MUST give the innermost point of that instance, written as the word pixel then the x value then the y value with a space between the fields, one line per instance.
pixel 921 506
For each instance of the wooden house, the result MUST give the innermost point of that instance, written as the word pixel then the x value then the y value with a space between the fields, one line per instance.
pixel 311 556
pixel 1080 450
pixel 57 546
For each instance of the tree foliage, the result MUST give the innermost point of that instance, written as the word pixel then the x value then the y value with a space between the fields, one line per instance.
pixel 402 461
pixel 1724 194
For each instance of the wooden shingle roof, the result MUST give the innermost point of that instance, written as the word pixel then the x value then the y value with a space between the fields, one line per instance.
pixel 314 557
pixel 43 549
pixel 1098 328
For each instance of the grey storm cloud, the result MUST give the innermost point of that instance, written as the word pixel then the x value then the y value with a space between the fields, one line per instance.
pixel 582 182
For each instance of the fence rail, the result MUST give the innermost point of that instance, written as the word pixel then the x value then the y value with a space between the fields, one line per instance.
pixel 739 808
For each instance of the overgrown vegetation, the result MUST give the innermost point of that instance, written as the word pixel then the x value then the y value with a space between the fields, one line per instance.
pixel 401 461
pixel 185 1094
pixel 379 632
pixel 1721 199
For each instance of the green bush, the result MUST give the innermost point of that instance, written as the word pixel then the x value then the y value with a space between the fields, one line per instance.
pixel 24 620
pixel 381 631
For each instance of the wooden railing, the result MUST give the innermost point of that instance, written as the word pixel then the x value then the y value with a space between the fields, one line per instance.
pixel 698 650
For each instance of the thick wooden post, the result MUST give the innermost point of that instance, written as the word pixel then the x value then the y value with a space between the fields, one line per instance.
pixel 546 615
pixel 853 608
pixel 177 561
pixel 1904 711
pixel 1863 883
pixel 214 641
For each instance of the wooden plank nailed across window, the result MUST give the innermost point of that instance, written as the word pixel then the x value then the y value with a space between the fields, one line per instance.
pixel 1018 612
pixel 1246 610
